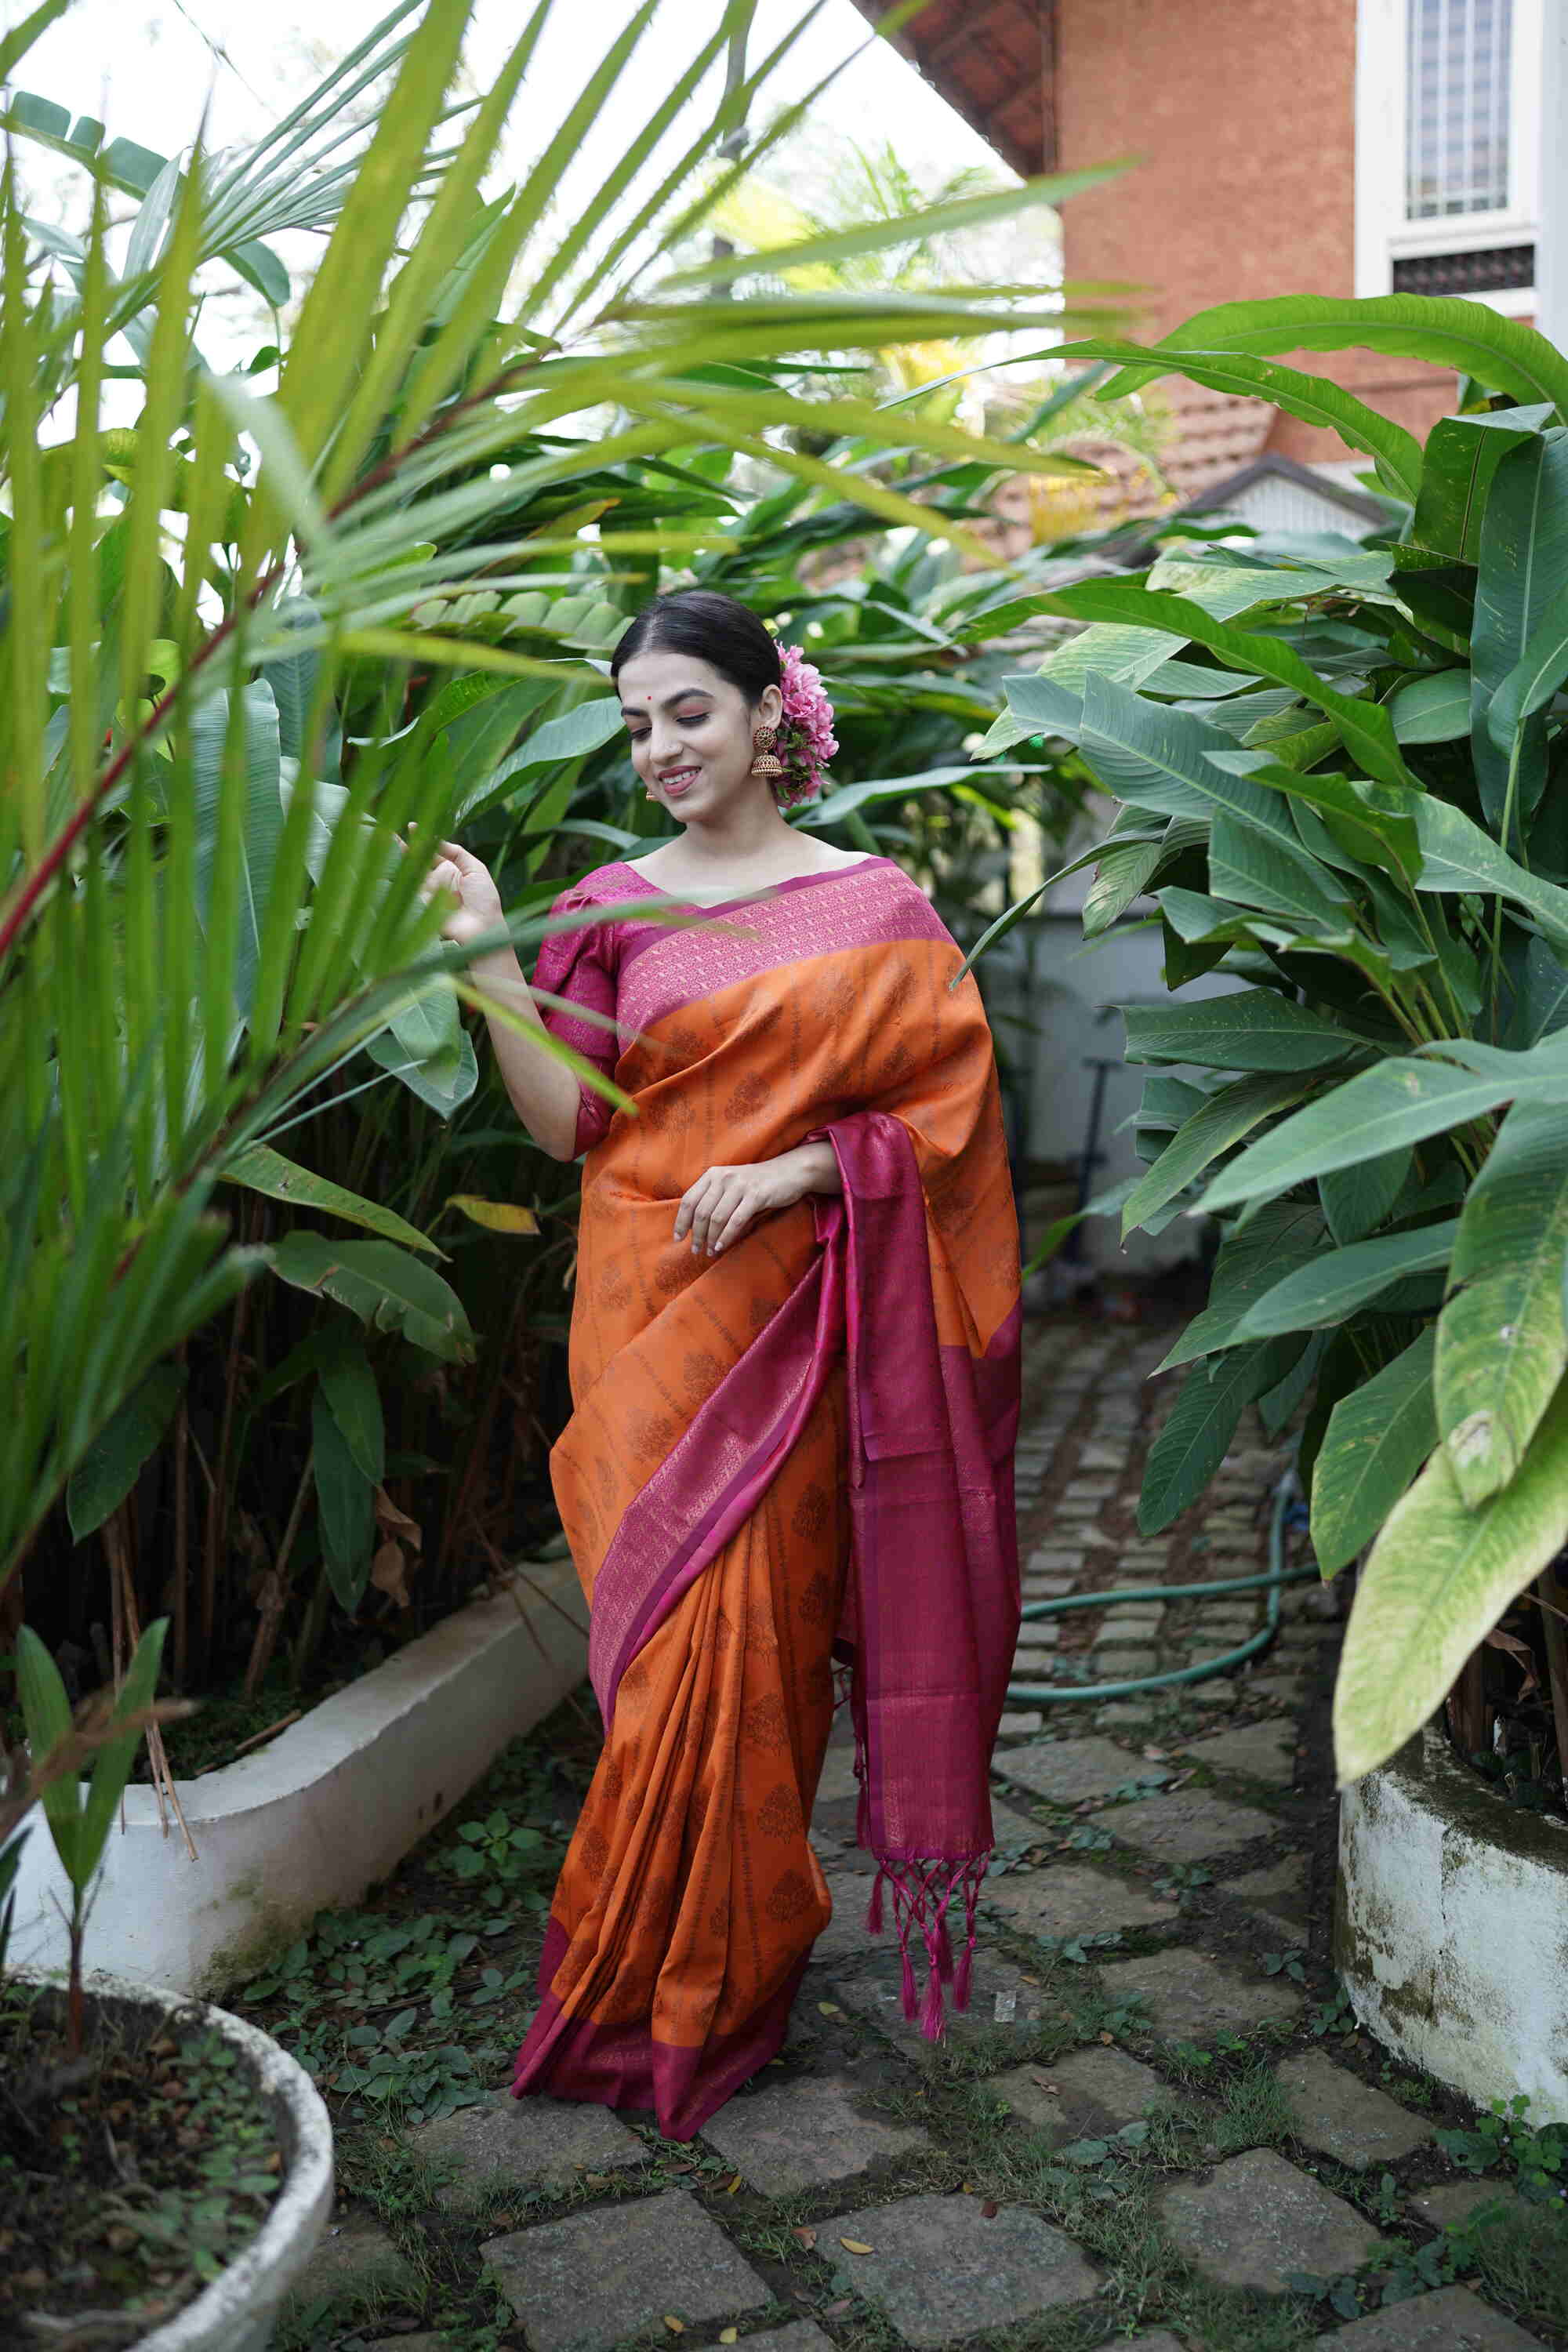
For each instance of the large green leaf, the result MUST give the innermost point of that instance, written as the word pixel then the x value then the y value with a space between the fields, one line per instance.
pixel 1280 1237
pixel 1461 458
pixel 1269 872
pixel 348 1384
pixel 115 1460
pixel 1378 1436
pixel 1246 1029
pixel 1397 1102
pixel 262 1169
pixel 1523 568
pixel 1220 1121
pixel 1357 1199
pixel 347 1501
pixel 1436 1582
pixel 1432 710
pixel 1314 398
pixel 1501 1342
pixel 251 849
pixel 1157 758
pixel 1456 854
pixel 1200 1425
pixel 1440 328
pixel 381 1283
pixel 47 1720
pixel 1536 676
pixel 1336 1282
pixel 1365 727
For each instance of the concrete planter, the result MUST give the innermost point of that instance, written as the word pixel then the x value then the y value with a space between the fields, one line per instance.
pixel 329 1807
pixel 237 2313
pixel 1451 1928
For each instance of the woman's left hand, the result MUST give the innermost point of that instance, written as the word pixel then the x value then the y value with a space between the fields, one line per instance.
pixel 724 1202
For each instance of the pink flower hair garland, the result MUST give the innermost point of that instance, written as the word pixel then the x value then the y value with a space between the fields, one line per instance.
pixel 805 737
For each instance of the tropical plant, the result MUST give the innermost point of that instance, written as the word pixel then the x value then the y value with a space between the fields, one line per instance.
pixel 259 636
pixel 1341 770
pixel 80 1816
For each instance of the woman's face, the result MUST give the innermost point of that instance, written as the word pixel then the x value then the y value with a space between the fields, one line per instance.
pixel 691 733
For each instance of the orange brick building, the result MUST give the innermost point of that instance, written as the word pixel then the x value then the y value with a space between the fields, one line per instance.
pixel 1331 147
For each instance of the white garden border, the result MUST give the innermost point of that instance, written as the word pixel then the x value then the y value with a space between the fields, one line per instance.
pixel 326 1809
pixel 1451 1928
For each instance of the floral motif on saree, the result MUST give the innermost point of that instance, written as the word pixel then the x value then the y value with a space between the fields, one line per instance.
pixel 797 1452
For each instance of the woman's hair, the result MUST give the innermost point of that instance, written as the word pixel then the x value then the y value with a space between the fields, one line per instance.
pixel 715 628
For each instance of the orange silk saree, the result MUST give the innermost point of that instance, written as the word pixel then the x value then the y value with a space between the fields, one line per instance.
pixel 794 1454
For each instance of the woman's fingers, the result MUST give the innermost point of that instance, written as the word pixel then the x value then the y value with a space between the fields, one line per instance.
pixel 738 1222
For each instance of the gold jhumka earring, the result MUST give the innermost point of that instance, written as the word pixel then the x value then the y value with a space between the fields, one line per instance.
pixel 765 762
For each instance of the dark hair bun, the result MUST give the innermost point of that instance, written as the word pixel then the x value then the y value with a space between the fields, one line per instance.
pixel 714 628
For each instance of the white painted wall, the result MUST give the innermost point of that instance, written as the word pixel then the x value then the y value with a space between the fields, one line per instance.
pixel 331 1805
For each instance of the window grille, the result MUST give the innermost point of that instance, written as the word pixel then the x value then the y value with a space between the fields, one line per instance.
pixel 1457 106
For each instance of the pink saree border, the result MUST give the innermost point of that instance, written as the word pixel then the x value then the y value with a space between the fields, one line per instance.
pixel 571 2057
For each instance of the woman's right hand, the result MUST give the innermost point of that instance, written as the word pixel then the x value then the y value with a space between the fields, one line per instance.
pixel 468 880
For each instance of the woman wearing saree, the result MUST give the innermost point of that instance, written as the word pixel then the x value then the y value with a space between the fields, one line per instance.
pixel 794 1366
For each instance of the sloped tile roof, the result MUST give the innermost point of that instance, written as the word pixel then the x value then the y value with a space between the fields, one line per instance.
pixel 993 61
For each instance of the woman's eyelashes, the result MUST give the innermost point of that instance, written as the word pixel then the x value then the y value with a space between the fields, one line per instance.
pixel 683 718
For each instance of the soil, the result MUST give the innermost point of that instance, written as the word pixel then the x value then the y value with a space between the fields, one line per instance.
pixel 130 2177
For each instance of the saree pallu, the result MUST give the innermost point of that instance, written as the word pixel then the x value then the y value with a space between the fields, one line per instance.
pixel 795 1453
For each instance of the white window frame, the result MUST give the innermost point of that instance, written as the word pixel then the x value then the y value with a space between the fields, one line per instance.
pixel 1383 233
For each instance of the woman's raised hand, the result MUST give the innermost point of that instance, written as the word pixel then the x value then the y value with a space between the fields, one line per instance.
pixel 469 881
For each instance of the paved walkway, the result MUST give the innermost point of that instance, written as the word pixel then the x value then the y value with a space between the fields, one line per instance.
pixel 1154 2127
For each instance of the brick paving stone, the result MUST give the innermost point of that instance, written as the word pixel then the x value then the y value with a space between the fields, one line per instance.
pixel 1016 1721
pixel 1047 1587
pixel 354 2257
pixel 1451 2320
pixel 1101 2086
pixel 799 2336
pixel 581 2284
pixel 1067 1900
pixel 1051 1560
pixel 1264 1751
pixel 1188 1997
pixel 1068 1770
pixel 837 1779
pixel 804 2134
pixel 1125 1665
pixel 846 1935
pixel 1279 1895
pixel 1453 2201
pixel 1220 1692
pixel 1092 1490
pixel 1189 1825
pixel 524 2141
pixel 1276 1690
pixel 1101 1457
pixel 999 1995
pixel 1039 1633
pixel 1161 2341
pixel 1336 2113
pixel 1127 1714
pixel 941 2271
pixel 1257 2218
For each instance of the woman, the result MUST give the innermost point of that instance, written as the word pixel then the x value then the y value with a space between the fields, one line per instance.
pixel 793 1364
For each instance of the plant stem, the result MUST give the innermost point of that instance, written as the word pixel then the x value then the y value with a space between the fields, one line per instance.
pixel 1554 1632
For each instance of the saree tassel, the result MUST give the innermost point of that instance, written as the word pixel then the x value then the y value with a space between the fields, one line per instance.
pixel 933 2014
pixel 874 1908
pixel 942 1960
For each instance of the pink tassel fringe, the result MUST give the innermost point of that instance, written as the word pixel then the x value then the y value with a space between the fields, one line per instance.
pixel 921 1892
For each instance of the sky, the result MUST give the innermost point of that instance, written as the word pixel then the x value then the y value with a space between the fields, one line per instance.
pixel 145 68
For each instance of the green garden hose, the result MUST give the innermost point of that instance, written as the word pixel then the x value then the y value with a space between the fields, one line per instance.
pixel 1272 1579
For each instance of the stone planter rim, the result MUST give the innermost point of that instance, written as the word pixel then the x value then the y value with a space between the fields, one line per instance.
pixel 237 2310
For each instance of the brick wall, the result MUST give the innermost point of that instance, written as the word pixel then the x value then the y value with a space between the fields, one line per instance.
pixel 1243 113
